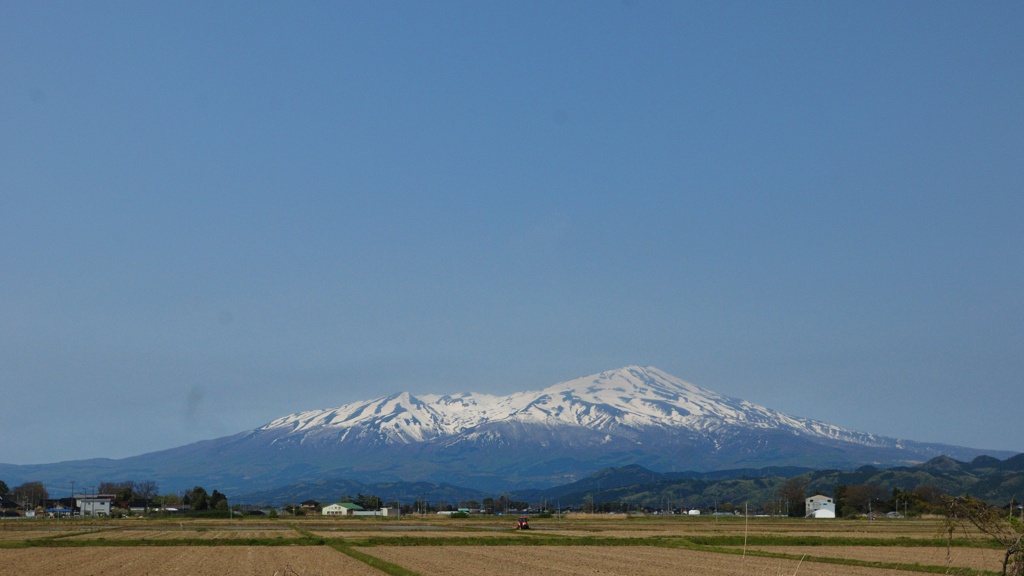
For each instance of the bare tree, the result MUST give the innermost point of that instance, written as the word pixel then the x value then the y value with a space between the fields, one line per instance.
pixel 1007 531
pixel 794 491
pixel 864 496
pixel 146 489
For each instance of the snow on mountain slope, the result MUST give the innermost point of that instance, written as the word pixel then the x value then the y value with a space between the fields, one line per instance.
pixel 623 402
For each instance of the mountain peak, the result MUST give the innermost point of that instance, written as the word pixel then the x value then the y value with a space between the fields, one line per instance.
pixel 631 379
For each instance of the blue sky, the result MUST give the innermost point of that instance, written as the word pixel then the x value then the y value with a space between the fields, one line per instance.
pixel 215 215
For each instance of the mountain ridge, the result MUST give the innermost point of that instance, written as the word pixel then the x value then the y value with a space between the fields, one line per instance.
pixel 617 400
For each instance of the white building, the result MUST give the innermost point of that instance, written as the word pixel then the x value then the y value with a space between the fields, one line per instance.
pixel 381 512
pixel 350 509
pixel 693 512
pixel 820 507
pixel 94 505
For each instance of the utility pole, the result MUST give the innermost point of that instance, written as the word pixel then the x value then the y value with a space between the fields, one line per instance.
pixel 746 525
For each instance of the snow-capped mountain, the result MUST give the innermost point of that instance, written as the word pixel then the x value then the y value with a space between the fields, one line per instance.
pixel 628 402
pixel 634 415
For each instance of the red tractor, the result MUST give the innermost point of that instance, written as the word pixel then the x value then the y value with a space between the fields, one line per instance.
pixel 524 523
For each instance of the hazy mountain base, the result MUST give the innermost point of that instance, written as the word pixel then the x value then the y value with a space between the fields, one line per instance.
pixel 517 457
pixel 335 489
pixel 331 490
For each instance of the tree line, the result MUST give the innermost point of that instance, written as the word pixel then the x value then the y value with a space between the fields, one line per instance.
pixel 35 494
pixel 863 498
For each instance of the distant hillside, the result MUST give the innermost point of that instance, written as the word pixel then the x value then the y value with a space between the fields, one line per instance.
pixel 634 475
pixel 335 489
pixel 995 481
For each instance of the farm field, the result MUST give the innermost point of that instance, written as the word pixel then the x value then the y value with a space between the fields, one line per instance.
pixel 193 561
pixel 171 534
pixel 364 534
pixel 975 558
pixel 637 528
pixel 589 560
pixel 25 534
pixel 429 546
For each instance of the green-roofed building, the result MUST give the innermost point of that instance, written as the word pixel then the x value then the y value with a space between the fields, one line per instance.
pixel 341 509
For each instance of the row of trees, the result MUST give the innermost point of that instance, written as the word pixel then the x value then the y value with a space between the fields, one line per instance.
pixel 130 489
pixel 33 494
pixel 198 499
pixel 862 498
pixel 29 494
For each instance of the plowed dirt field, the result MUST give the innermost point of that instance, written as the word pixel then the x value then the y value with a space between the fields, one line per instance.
pixel 364 534
pixel 180 534
pixel 591 560
pixel 185 560
pixel 976 558
pixel 9 535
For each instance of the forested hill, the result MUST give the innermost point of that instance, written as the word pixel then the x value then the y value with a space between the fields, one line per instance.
pixel 991 479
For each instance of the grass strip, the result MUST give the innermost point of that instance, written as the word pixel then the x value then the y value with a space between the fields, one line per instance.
pixel 78 533
pixel 374 562
pixel 305 533
pixel 837 541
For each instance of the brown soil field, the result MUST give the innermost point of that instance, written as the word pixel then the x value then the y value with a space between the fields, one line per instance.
pixel 663 526
pixel 589 560
pixel 364 534
pixel 622 533
pixel 26 534
pixel 193 561
pixel 976 558
pixel 733 526
pixel 650 531
pixel 210 534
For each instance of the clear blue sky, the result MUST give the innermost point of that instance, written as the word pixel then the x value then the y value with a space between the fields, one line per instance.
pixel 212 216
